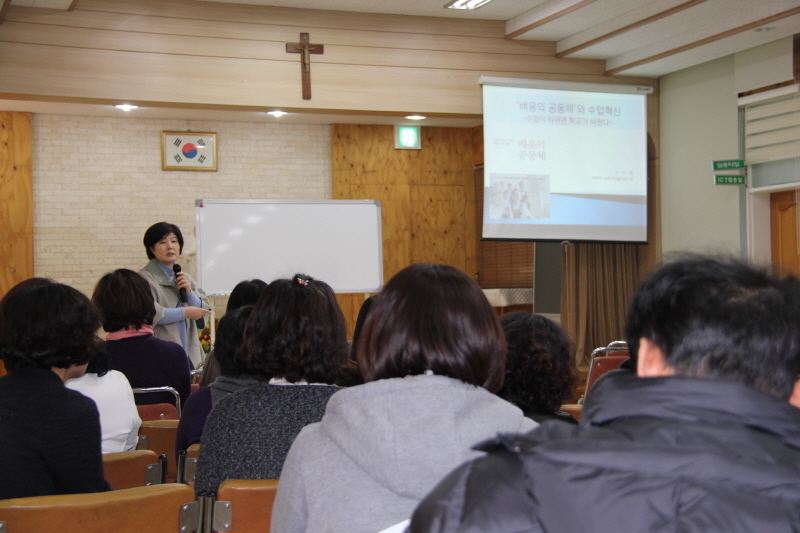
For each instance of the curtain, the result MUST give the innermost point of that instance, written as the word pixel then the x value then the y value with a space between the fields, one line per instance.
pixel 597 282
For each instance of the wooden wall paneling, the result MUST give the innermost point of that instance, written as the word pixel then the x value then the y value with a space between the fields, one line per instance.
pixel 437 225
pixel 16 202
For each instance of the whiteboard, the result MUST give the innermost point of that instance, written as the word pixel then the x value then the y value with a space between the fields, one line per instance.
pixel 335 241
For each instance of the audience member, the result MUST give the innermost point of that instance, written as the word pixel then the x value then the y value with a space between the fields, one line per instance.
pixel 181 308
pixel 50 440
pixel 233 377
pixel 705 439
pixel 540 366
pixel 111 392
pixel 125 303
pixel 296 336
pixel 245 293
pixel 432 354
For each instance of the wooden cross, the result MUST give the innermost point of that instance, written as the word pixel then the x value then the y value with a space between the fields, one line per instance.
pixel 305 49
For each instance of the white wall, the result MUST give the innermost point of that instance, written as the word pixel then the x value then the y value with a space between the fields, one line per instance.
pixel 98 185
pixel 699 123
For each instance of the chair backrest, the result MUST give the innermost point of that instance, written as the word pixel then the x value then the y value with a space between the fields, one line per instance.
pixel 156 509
pixel 244 505
pixel 602 365
pixel 137 468
pixel 158 411
pixel 146 391
pixel 574 409
pixel 161 435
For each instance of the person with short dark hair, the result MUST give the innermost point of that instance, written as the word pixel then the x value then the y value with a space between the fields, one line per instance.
pixel 540 366
pixel 111 392
pixel 125 303
pixel 432 354
pixel 174 320
pixel 295 341
pixel 705 439
pixel 49 434
pixel 233 377
pixel 245 293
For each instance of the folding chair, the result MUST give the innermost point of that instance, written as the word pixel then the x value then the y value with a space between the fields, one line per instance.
pixel 604 360
pixel 244 505
pixel 156 509
pixel 158 411
pixel 137 468
pixel 160 436
pixel 574 409
pixel 187 464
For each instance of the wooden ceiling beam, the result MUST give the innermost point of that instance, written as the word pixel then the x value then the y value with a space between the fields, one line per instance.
pixel 560 8
pixel 629 27
pixel 701 42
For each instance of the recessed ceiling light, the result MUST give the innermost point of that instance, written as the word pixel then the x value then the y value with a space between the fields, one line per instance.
pixel 126 107
pixel 416 117
pixel 766 28
pixel 277 113
pixel 466 4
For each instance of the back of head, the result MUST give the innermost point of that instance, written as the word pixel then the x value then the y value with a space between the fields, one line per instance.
pixel 230 334
pixel 47 324
pixel 245 293
pixel 432 317
pixel 540 363
pixel 123 299
pixel 296 331
pixel 721 319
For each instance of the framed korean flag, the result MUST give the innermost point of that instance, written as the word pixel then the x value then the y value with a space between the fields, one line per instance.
pixel 188 150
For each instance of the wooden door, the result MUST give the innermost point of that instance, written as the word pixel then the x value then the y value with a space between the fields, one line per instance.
pixel 783 215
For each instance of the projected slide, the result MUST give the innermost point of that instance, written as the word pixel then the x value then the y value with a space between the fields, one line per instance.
pixel 564 164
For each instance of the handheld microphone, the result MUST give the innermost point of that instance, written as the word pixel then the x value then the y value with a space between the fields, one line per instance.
pixel 177 268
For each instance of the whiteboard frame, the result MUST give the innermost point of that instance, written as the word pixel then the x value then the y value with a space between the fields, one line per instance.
pixel 366 289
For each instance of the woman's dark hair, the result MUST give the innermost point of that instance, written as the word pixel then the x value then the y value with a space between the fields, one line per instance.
pixel 540 363
pixel 47 324
pixel 100 364
pixel 158 231
pixel 296 331
pixel 433 317
pixel 362 317
pixel 230 334
pixel 123 299
pixel 245 293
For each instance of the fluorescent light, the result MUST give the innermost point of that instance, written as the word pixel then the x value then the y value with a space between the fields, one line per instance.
pixel 466 4
pixel 277 113
pixel 416 117
pixel 126 107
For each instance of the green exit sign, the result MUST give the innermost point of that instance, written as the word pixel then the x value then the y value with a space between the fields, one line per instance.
pixel 729 164
pixel 407 138
pixel 735 179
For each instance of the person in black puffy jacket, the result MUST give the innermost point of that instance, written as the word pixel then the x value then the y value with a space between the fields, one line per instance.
pixel 705 439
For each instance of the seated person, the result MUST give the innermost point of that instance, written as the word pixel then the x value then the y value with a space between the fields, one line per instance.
pixel 49 434
pixel 705 439
pixel 110 390
pixel 296 336
pixel 234 377
pixel 540 366
pixel 432 354
pixel 245 293
pixel 126 307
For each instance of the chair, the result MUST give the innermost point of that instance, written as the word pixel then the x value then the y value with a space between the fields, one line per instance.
pixel 160 438
pixel 604 360
pixel 244 505
pixel 161 411
pixel 574 409
pixel 187 464
pixel 156 509
pixel 137 468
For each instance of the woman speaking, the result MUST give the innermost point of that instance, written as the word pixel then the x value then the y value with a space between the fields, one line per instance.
pixel 179 303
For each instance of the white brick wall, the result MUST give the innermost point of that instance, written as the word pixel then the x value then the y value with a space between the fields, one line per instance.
pixel 98 185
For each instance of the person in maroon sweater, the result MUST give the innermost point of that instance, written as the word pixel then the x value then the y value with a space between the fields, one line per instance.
pixel 126 308
pixel 49 434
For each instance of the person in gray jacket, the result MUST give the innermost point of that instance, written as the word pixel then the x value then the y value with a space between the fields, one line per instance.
pixel 431 353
